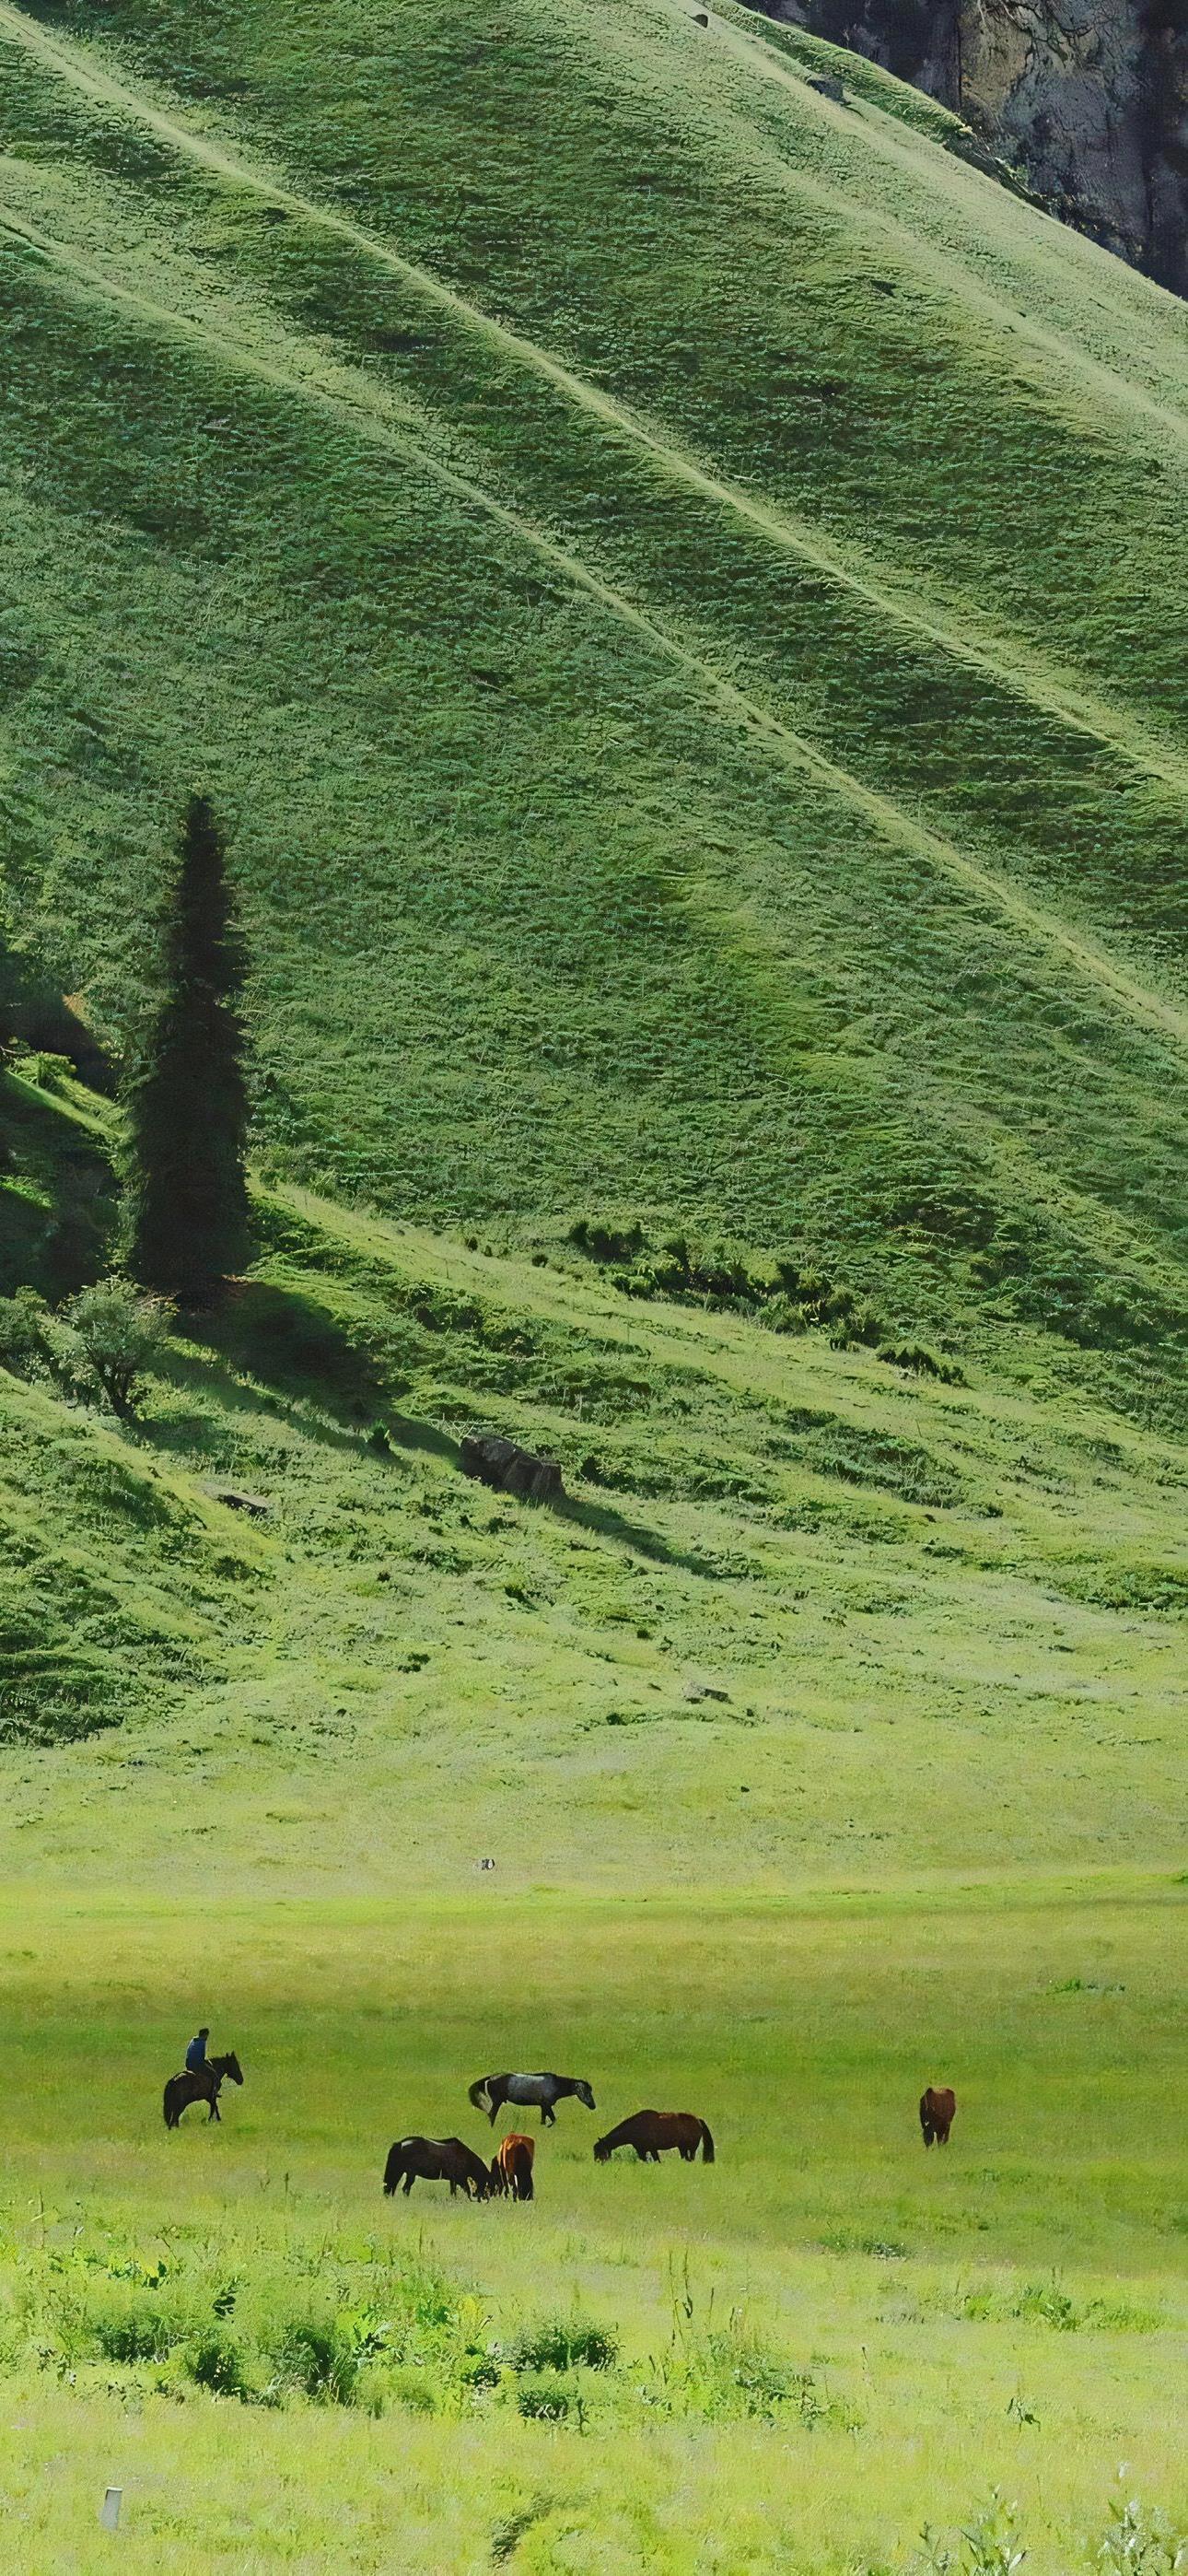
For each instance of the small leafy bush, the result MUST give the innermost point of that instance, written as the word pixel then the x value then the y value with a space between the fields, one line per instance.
pixel 120 1333
pixel 218 2363
pixel 563 2343
pixel 413 2389
pixel 136 2330
pixel 24 1318
pixel 317 2356
pixel 547 2398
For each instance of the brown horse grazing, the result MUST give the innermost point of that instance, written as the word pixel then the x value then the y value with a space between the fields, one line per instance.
pixel 199 2084
pixel 937 2109
pixel 436 2160
pixel 511 2168
pixel 651 2133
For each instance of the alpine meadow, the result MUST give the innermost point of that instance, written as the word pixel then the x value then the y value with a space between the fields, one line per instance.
pixel 593 1310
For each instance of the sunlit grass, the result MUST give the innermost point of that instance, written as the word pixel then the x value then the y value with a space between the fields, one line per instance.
pixel 846 2335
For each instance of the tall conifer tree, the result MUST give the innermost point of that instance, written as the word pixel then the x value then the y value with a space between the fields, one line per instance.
pixel 187 1204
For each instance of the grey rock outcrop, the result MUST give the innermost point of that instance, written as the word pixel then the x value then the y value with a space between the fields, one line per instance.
pixel 1088 99
pixel 510 1469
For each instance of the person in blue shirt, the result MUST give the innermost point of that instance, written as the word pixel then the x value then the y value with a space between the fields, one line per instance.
pixel 196 2052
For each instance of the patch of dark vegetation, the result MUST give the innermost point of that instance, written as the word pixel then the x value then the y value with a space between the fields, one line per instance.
pixel 562 2343
pixel 725 1279
pixel 879 1459
pixel 546 2397
pixel 1125 1585
pixel 50 1694
pixel 884 2249
pixel 786 1295
pixel 1048 2303
pixel 512 2528
pixel 918 1361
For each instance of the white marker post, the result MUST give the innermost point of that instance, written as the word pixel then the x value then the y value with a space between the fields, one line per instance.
pixel 109 2510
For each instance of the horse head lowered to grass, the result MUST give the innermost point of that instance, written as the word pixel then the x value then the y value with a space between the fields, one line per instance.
pixel 436 2160
pixel 651 2133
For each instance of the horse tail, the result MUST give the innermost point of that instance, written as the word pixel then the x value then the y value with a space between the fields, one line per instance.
pixel 478 2093
pixel 392 2171
pixel 168 2102
pixel 707 2144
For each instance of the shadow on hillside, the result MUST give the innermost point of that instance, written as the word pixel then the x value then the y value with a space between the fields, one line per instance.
pixel 208 1382
pixel 605 1522
pixel 57 1197
pixel 405 1433
pixel 303 1368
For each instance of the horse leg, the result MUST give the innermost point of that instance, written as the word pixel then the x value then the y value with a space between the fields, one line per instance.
pixel 409 2180
pixel 548 2117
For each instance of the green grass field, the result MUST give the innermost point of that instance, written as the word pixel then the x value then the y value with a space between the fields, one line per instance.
pixel 824 2340
pixel 677 588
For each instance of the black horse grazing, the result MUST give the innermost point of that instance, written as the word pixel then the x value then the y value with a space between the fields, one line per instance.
pixel 527 2091
pixel 436 2160
pixel 200 2084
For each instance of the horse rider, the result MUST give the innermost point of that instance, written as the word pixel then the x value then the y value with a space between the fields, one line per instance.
pixel 196 2053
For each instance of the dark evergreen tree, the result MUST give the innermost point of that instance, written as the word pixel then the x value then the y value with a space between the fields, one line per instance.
pixel 187 1204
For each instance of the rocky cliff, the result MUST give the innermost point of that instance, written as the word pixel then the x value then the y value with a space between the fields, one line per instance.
pixel 1087 98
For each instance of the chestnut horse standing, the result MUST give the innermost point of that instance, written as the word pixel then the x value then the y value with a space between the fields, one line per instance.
pixel 511 2167
pixel 937 2108
pixel 651 2133
pixel 199 2084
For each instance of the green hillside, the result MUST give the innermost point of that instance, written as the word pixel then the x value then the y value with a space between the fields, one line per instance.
pixel 674 583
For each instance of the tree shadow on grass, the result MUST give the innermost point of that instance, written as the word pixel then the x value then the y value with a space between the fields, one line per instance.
pixel 605 1522
pixel 300 1364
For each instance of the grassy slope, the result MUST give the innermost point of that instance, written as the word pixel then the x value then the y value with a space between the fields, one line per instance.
pixel 683 608
pixel 945 1617
pixel 677 582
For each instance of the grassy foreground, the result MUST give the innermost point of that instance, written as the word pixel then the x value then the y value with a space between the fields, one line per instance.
pixel 823 2341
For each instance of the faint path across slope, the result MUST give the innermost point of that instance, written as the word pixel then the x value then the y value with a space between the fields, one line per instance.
pixel 354 399
pixel 1013 667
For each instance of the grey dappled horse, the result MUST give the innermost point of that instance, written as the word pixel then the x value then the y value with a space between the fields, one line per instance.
pixel 529 2092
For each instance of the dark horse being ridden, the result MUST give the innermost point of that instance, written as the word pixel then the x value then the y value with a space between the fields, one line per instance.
pixel 200 2084
pixel 436 2160
pixel 652 2132
pixel 528 2091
